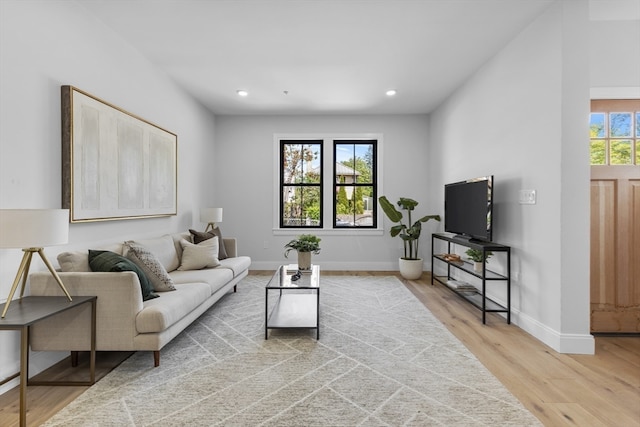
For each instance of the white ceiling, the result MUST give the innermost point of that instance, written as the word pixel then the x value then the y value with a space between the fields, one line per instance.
pixel 330 56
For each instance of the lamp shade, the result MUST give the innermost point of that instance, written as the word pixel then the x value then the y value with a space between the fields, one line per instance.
pixel 26 228
pixel 208 215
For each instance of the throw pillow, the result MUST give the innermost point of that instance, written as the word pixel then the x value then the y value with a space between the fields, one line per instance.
pixel 73 261
pixel 111 261
pixel 202 255
pixel 151 265
pixel 164 249
pixel 201 236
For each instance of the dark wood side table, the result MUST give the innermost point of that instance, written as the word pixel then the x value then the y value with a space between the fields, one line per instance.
pixel 29 310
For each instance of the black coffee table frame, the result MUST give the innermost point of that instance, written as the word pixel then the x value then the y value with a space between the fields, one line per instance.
pixel 298 302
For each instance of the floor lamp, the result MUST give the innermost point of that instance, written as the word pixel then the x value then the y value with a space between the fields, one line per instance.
pixel 210 216
pixel 32 230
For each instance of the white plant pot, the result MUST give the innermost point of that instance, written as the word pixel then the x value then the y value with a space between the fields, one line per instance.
pixel 477 266
pixel 411 269
pixel 304 261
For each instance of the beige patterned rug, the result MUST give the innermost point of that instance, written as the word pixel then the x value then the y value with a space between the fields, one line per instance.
pixel 382 360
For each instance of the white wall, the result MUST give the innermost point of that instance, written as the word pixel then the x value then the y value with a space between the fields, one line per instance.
pixel 46 44
pixel 248 195
pixel 522 118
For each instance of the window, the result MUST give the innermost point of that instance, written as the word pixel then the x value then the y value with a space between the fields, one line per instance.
pixel 355 183
pixel 614 128
pixel 338 194
pixel 301 184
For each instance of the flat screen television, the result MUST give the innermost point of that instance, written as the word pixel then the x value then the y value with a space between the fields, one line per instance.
pixel 468 208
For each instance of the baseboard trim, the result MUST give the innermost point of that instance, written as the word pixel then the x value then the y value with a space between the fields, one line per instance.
pixel 562 343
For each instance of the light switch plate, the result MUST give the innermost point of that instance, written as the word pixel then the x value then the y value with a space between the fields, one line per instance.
pixel 527 197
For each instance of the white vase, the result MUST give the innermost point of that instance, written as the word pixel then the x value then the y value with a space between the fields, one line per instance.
pixel 477 266
pixel 410 269
pixel 304 261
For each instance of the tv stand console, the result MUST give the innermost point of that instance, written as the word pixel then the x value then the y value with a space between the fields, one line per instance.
pixel 477 297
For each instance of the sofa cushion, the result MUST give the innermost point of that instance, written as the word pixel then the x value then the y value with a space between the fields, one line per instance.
pixel 202 255
pixel 236 264
pixel 108 261
pixel 216 278
pixel 163 248
pixel 201 236
pixel 159 314
pixel 151 265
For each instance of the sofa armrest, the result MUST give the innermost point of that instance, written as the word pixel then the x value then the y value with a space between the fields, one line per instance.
pixel 231 246
pixel 119 301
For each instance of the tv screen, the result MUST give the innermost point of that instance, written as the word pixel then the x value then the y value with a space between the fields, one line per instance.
pixel 468 208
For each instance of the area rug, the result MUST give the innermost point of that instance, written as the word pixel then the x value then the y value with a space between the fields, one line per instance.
pixel 382 360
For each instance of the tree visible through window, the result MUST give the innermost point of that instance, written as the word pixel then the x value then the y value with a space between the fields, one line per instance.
pixel 301 184
pixel 614 128
pixel 355 183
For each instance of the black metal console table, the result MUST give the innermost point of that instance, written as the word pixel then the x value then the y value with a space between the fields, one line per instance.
pixel 477 297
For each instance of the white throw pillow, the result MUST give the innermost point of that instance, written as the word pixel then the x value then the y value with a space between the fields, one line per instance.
pixel 202 255
pixel 74 261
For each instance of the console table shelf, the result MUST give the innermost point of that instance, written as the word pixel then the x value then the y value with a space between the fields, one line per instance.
pixel 475 296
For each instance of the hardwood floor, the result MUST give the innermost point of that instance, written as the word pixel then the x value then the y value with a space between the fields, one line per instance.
pixel 559 389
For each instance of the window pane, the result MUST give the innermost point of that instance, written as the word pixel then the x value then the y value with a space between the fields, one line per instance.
pixel 620 125
pixel 354 206
pixel 596 125
pixel 354 163
pixel 598 152
pixel 620 152
pixel 301 206
pixel 637 152
pixel 301 163
pixel 638 125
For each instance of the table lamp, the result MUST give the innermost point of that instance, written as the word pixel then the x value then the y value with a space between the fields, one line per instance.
pixel 210 216
pixel 32 230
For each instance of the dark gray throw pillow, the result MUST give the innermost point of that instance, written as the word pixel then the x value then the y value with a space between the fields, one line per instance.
pixel 201 236
pixel 108 261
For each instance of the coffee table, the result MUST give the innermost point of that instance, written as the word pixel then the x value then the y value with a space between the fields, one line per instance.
pixel 298 302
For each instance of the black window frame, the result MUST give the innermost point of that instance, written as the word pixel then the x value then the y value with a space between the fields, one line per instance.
pixel 374 184
pixel 284 186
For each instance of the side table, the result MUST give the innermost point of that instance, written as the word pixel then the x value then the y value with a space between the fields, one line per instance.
pixel 29 310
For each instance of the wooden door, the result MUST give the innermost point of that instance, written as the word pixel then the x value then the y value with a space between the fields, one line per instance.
pixel 615 231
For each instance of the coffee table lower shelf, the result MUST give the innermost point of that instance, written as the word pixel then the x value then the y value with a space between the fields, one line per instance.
pixel 294 311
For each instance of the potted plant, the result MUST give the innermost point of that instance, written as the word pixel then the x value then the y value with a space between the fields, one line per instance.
pixel 305 245
pixel 478 257
pixel 410 264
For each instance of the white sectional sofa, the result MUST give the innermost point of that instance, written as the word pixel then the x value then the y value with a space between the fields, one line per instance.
pixel 126 322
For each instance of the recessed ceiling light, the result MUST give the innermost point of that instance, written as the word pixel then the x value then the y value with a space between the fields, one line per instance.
pixel 241 92
pixel 391 92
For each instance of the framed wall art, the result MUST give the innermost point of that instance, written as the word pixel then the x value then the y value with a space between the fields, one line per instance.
pixel 115 165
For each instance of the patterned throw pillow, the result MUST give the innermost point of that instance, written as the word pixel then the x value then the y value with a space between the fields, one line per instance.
pixel 151 265
pixel 202 255
pixel 201 236
pixel 111 261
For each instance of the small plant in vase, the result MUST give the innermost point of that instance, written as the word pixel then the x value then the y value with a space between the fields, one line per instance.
pixel 305 245
pixel 478 257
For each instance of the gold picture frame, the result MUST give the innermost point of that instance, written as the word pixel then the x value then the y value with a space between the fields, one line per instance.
pixel 115 165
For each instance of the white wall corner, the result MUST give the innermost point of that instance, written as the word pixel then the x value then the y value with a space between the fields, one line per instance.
pixel 562 343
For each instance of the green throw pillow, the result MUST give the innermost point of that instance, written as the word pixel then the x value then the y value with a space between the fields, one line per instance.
pixel 111 261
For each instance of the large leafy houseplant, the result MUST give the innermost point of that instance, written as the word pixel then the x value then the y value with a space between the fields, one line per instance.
pixel 409 232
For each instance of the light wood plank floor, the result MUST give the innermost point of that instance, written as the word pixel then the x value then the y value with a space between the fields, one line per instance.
pixel 559 389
